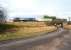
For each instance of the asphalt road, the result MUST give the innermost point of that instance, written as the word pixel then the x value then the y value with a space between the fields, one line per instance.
pixel 59 40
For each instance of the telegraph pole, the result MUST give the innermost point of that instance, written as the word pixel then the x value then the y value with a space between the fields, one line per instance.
pixel 69 19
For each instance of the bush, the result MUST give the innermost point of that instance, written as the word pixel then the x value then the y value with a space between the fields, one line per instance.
pixel 4 27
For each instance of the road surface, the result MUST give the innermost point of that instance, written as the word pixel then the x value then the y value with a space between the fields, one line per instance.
pixel 59 40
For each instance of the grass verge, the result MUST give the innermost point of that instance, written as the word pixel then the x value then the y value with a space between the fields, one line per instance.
pixel 25 32
pixel 67 27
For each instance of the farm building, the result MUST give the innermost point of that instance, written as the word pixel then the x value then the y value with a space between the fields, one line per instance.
pixel 45 18
pixel 24 19
pixel 29 19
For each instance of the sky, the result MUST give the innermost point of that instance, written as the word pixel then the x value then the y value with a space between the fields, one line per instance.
pixel 29 8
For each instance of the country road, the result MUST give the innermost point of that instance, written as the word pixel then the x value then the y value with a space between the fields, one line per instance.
pixel 59 40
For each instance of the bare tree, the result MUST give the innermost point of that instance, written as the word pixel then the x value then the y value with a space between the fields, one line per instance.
pixel 2 15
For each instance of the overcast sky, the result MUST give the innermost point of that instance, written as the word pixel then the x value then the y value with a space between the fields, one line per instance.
pixel 59 8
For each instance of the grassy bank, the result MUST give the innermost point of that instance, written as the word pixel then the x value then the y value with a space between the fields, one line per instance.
pixel 23 30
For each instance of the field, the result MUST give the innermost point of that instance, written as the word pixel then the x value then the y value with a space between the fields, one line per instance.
pixel 25 30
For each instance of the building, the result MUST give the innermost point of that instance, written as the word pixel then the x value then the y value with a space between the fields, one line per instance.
pixel 29 19
pixel 45 19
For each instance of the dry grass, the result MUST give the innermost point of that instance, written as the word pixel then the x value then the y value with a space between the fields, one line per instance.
pixel 25 30
pixel 33 24
pixel 67 27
